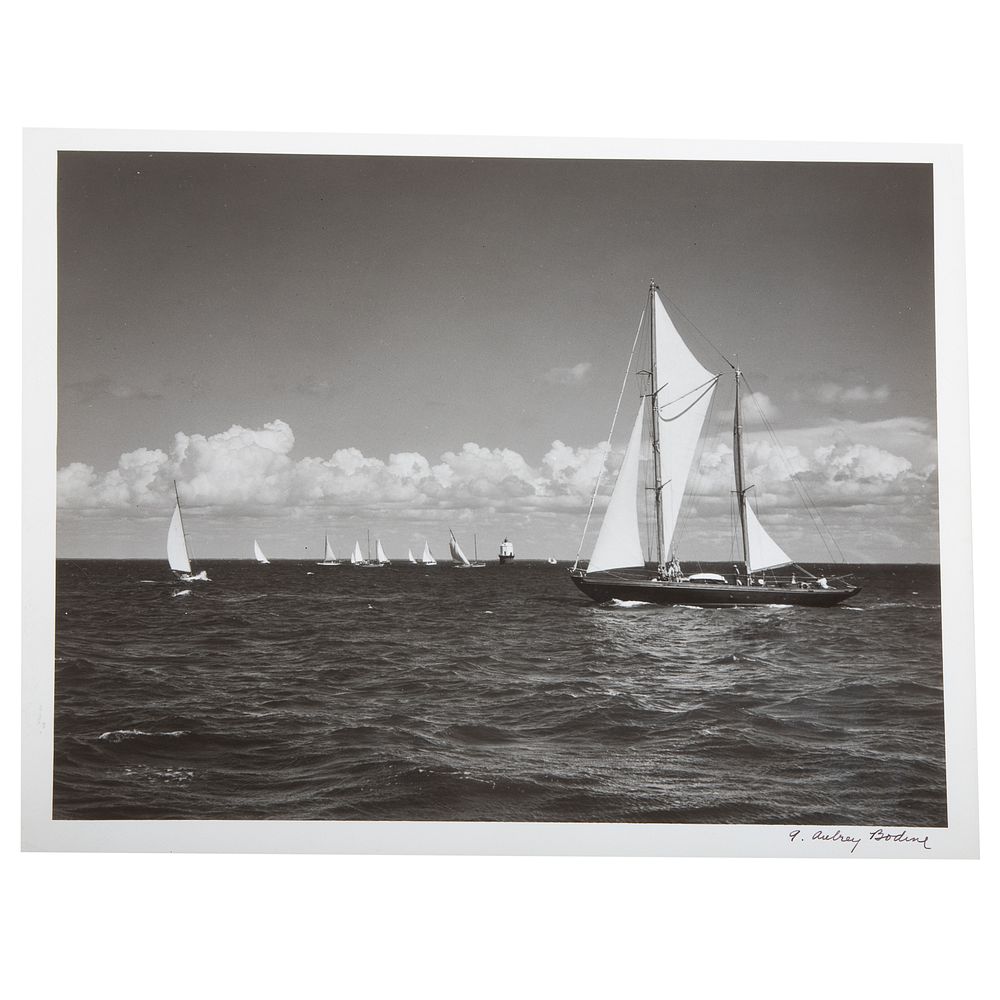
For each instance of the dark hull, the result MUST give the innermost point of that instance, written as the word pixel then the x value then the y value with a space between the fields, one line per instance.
pixel 506 559
pixel 603 588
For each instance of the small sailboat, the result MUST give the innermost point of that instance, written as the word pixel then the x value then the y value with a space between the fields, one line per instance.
pixel 380 559
pixel 675 396
pixel 506 551
pixel 329 559
pixel 258 553
pixel 427 559
pixel 552 560
pixel 459 558
pixel 357 559
pixel 409 555
pixel 177 550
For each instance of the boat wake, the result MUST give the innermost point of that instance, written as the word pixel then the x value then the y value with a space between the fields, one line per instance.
pixel 180 593
pixel 618 603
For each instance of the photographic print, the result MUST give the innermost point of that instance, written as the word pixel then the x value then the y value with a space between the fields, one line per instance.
pixel 443 488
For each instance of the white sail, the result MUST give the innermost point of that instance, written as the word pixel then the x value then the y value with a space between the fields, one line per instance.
pixel 356 557
pixel 177 553
pixel 685 392
pixel 427 559
pixel 409 555
pixel 618 543
pixel 380 555
pixel 258 553
pixel 765 552
pixel 456 552
pixel 328 555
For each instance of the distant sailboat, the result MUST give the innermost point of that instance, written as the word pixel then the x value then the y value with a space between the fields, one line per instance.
pixel 552 560
pixel 357 559
pixel 329 559
pixel 381 559
pixel 409 555
pixel 460 559
pixel 427 559
pixel 258 553
pixel 177 550
pixel 674 400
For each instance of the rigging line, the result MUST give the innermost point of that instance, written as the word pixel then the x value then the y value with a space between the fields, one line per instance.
pixel 811 507
pixel 663 295
pixel 706 387
pixel 614 420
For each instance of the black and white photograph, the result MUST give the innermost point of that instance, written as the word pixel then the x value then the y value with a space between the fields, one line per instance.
pixel 582 493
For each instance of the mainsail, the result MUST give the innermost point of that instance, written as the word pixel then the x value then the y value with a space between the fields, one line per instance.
pixel 684 392
pixel 380 555
pixel 456 551
pixel 258 553
pixel 618 543
pixel 328 555
pixel 356 557
pixel 409 555
pixel 765 552
pixel 427 559
pixel 177 553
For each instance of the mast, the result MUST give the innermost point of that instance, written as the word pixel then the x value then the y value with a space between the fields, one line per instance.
pixel 741 493
pixel 654 405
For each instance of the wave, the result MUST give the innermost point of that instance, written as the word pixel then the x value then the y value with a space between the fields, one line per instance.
pixel 117 735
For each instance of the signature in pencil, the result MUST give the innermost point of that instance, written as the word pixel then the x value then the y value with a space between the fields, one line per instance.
pixel 854 840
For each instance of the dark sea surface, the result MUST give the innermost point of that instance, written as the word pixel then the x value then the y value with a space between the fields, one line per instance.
pixel 297 691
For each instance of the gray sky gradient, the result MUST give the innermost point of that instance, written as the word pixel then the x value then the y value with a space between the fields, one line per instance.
pixel 413 304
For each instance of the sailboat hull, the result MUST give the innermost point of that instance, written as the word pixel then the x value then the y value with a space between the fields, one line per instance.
pixel 607 587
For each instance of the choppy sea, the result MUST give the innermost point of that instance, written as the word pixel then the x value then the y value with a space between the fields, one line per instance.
pixel 297 691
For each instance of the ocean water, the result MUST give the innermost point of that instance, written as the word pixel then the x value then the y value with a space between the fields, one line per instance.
pixel 297 691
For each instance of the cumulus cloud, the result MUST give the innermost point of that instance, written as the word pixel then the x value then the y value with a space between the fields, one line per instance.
pixel 247 470
pixel 569 376
pixel 845 465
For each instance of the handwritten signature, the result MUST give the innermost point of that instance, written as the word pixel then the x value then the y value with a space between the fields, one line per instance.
pixel 854 840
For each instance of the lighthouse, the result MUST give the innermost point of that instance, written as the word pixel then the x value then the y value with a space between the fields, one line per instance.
pixel 506 551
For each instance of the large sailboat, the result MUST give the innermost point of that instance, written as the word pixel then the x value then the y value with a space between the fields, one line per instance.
pixel 329 559
pixel 177 550
pixel 427 559
pixel 675 400
pixel 459 558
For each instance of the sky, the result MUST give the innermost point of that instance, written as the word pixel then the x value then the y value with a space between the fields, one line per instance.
pixel 313 344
